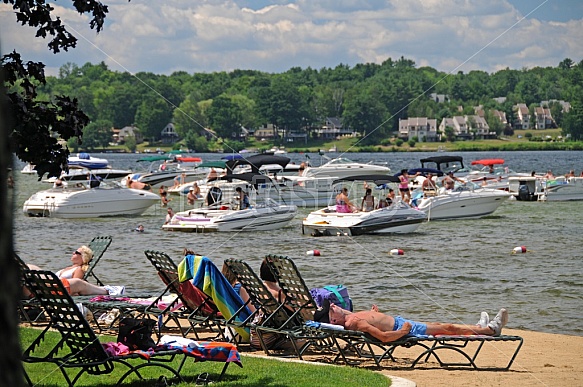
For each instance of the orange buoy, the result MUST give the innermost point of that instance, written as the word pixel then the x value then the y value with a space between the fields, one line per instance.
pixel 396 252
pixel 519 249
pixel 315 253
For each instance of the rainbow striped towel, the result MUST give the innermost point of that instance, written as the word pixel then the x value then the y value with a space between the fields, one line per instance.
pixel 208 278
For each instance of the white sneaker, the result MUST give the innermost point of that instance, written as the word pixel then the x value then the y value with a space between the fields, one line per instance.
pixel 484 320
pixel 499 322
pixel 115 290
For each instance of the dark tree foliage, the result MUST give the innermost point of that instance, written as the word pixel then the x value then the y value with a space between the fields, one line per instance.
pixel 27 126
pixel 36 122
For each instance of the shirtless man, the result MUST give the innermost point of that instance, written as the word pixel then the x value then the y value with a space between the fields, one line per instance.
pixel 388 328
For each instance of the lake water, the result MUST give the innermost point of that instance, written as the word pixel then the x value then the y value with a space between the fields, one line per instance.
pixel 451 270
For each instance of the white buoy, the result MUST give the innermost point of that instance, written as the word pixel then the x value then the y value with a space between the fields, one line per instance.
pixel 519 250
pixel 315 253
pixel 396 252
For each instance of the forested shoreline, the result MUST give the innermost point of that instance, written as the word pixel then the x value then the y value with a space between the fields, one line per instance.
pixel 370 98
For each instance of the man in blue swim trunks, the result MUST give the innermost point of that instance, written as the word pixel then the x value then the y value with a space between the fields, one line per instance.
pixel 388 328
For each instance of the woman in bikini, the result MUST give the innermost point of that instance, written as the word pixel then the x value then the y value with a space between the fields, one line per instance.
pixel 404 186
pixel 72 276
pixel 367 201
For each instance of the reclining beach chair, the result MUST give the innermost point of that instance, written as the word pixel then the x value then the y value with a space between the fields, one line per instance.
pixel 197 308
pixel 98 245
pixel 81 350
pixel 275 318
pixel 465 349
pixel 29 309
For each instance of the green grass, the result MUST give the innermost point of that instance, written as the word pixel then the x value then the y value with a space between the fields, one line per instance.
pixel 255 372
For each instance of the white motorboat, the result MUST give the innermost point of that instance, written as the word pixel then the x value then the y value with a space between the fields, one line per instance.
pixel 533 188
pixel 297 190
pixel 28 169
pixel 399 217
pixel 342 167
pixel 265 216
pixel 79 201
pixel 564 189
pixel 84 160
pixel 464 201
pixel 168 169
pixel 80 174
pixel 290 189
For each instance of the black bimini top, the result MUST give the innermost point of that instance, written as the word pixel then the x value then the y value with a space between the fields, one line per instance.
pixel 377 179
pixel 256 161
pixel 438 160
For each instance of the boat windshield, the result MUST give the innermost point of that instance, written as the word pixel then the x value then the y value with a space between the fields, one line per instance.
pixel 339 161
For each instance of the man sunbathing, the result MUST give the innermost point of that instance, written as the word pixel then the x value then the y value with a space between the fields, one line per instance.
pixel 388 328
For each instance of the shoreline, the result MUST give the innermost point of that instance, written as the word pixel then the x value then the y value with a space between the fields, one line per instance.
pixel 545 359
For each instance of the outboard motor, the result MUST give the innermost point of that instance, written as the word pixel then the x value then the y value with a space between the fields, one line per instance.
pixel 524 193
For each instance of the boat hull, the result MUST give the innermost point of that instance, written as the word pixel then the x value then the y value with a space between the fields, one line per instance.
pixel 388 220
pixel 157 179
pixel 571 190
pixel 254 219
pixel 88 203
pixel 457 205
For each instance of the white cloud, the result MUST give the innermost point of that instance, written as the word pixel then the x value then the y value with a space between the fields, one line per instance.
pixel 221 35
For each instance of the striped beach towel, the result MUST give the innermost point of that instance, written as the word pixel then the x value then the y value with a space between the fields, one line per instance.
pixel 208 278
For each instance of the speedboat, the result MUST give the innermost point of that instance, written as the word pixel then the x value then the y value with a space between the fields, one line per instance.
pixel 564 189
pixel 80 174
pixel 399 217
pixel 84 160
pixel 168 169
pixel 342 167
pixel 493 174
pixel 466 200
pixel 80 201
pixel 297 190
pixel 265 216
pixel 537 188
pixel 28 169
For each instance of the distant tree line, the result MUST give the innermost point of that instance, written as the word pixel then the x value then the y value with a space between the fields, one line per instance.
pixel 370 98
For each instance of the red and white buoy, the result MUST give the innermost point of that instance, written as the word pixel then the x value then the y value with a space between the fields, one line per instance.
pixel 396 252
pixel 519 250
pixel 315 253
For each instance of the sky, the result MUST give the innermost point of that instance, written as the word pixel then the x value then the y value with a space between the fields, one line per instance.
pixel 273 36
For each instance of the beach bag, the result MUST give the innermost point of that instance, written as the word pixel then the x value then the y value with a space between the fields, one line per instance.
pixel 136 333
pixel 336 294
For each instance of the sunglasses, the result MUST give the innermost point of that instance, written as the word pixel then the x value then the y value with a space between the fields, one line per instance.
pixel 77 252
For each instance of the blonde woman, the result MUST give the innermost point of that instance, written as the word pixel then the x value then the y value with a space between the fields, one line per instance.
pixel 80 264
pixel 72 276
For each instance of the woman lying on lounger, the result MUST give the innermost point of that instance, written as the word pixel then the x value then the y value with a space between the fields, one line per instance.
pixel 72 276
pixel 388 328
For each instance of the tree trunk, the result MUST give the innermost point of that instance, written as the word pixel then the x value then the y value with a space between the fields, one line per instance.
pixel 10 355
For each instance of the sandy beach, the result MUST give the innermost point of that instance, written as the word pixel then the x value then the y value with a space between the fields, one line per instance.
pixel 544 360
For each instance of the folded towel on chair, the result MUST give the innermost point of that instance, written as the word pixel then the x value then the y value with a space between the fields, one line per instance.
pixel 207 277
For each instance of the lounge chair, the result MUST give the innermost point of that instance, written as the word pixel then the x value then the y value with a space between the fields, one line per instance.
pixel 348 342
pixel 29 309
pixel 98 245
pixel 275 318
pixel 197 308
pixel 85 352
